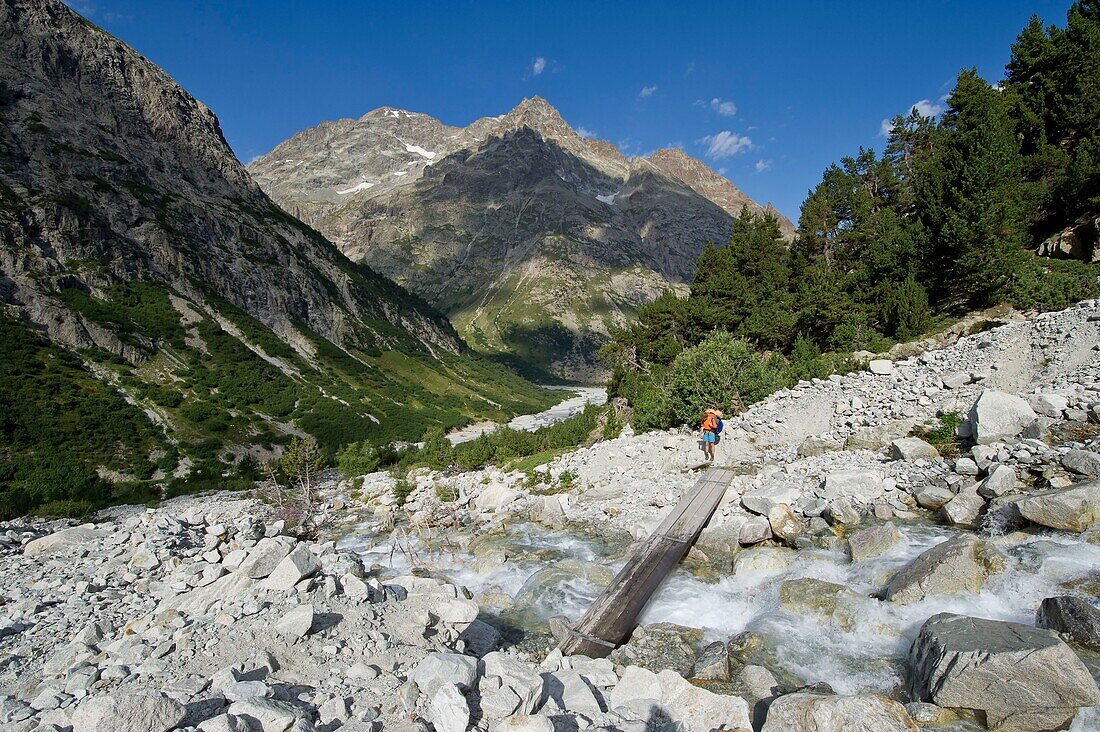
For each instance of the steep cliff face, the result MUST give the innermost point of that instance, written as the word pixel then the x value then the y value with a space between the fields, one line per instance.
pixel 129 232
pixel 534 240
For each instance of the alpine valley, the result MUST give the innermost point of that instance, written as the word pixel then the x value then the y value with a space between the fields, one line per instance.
pixel 535 241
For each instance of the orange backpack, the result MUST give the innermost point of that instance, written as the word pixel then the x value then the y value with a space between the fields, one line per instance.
pixel 710 422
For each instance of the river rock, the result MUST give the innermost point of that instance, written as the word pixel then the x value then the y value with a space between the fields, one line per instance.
pixel 448 709
pixel 807 712
pixel 1074 617
pixel 437 669
pixel 755 530
pixel 495 497
pixel 997 416
pixel 713 664
pixel 933 496
pixel 965 508
pixel 520 678
pixel 758 687
pixel 1023 678
pixel 872 541
pixel 694 709
pixel 810 596
pixel 841 511
pixel 912 448
pixel 660 646
pixel 1082 462
pixel 750 648
pixel 1000 481
pixel 960 564
pixel 132 711
pixel 572 692
pixel 861 486
pixel 784 524
pixel 1069 509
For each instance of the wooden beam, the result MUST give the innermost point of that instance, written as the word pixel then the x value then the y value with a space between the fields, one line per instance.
pixel 614 614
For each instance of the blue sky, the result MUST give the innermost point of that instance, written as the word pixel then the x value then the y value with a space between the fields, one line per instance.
pixel 766 93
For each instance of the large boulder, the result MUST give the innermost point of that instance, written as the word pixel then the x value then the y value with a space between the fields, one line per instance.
pixel 1070 509
pixel 872 541
pixel 960 564
pixel 660 646
pixel 437 669
pixel 1082 462
pixel 862 486
pixel 965 508
pixel 294 567
pixel 266 556
pixel 999 416
pixel 646 696
pixel 133 711
pixel 1074 617
pixel 807 712
pixel 60 541
pixel 1023 678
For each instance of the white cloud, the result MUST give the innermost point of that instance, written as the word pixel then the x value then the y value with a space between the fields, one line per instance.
pixel 647 91
pixel 723 108
pixel 762 165
pixel 924 107
pixel 927 109
pixel 587 134
pixel 538 66
pixel 725 144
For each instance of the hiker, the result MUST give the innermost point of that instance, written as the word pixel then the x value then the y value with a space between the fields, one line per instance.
pixel 711 426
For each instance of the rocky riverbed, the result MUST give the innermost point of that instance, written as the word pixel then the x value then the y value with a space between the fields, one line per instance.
pixel 854 577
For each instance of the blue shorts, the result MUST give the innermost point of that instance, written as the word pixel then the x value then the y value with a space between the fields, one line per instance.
pixel 710 437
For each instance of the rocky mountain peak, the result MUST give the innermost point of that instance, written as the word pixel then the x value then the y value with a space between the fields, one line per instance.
pixel 539 115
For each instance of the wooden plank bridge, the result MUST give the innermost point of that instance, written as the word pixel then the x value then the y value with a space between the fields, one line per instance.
pixel 614 614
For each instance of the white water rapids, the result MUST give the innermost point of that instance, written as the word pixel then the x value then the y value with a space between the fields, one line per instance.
pixel 580 397
pixel 526 574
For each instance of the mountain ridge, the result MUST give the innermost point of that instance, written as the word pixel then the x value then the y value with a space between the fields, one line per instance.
pixel 536 244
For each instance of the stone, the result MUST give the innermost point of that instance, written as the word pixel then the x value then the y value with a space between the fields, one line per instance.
pixel 713 664
pixel 872 541
pixel 517 676
pixel 1074 617
pixel 811 596
pixel 1001 480
pixel 879 436
pixel 755 530
pixel 964 510
pixel 1023 678
pixel 960 564
pixel 456 611
pixel 807 712
pixel 144 560
pixel 296 566
pixel 930 715
pixel 495 497
pixel 336 709
pixel 933 496
pixel 266 556
pixel 448 710
pixel 996 417
pixel 227 723
pixel 967 466
pixel 881 366
pixel 1069 509
pixel 132 711
pixel 569 689
pixel 437 669
pixel 661 645
pixel 638 693
pixel 297 622
pixel 817 445
pixel 861 486
pixel 63 540
pixel 270 715
pixel 956 380
pixel 694 709
pixel 912 448
pixel 1049 405
pixel 1082 462
pixel 784 524
pixel 758 687
pixel 841 511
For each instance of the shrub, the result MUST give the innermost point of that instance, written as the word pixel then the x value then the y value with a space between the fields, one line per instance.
pixel 358 458
pixel 401 491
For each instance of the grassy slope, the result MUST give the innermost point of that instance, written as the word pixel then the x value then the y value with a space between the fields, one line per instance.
pixel 218 396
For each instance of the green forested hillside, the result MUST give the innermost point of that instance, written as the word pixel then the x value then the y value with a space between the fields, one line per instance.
pixel 946 219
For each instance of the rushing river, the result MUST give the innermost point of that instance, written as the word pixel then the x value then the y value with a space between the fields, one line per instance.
pixel 525 574
pixel 579 397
